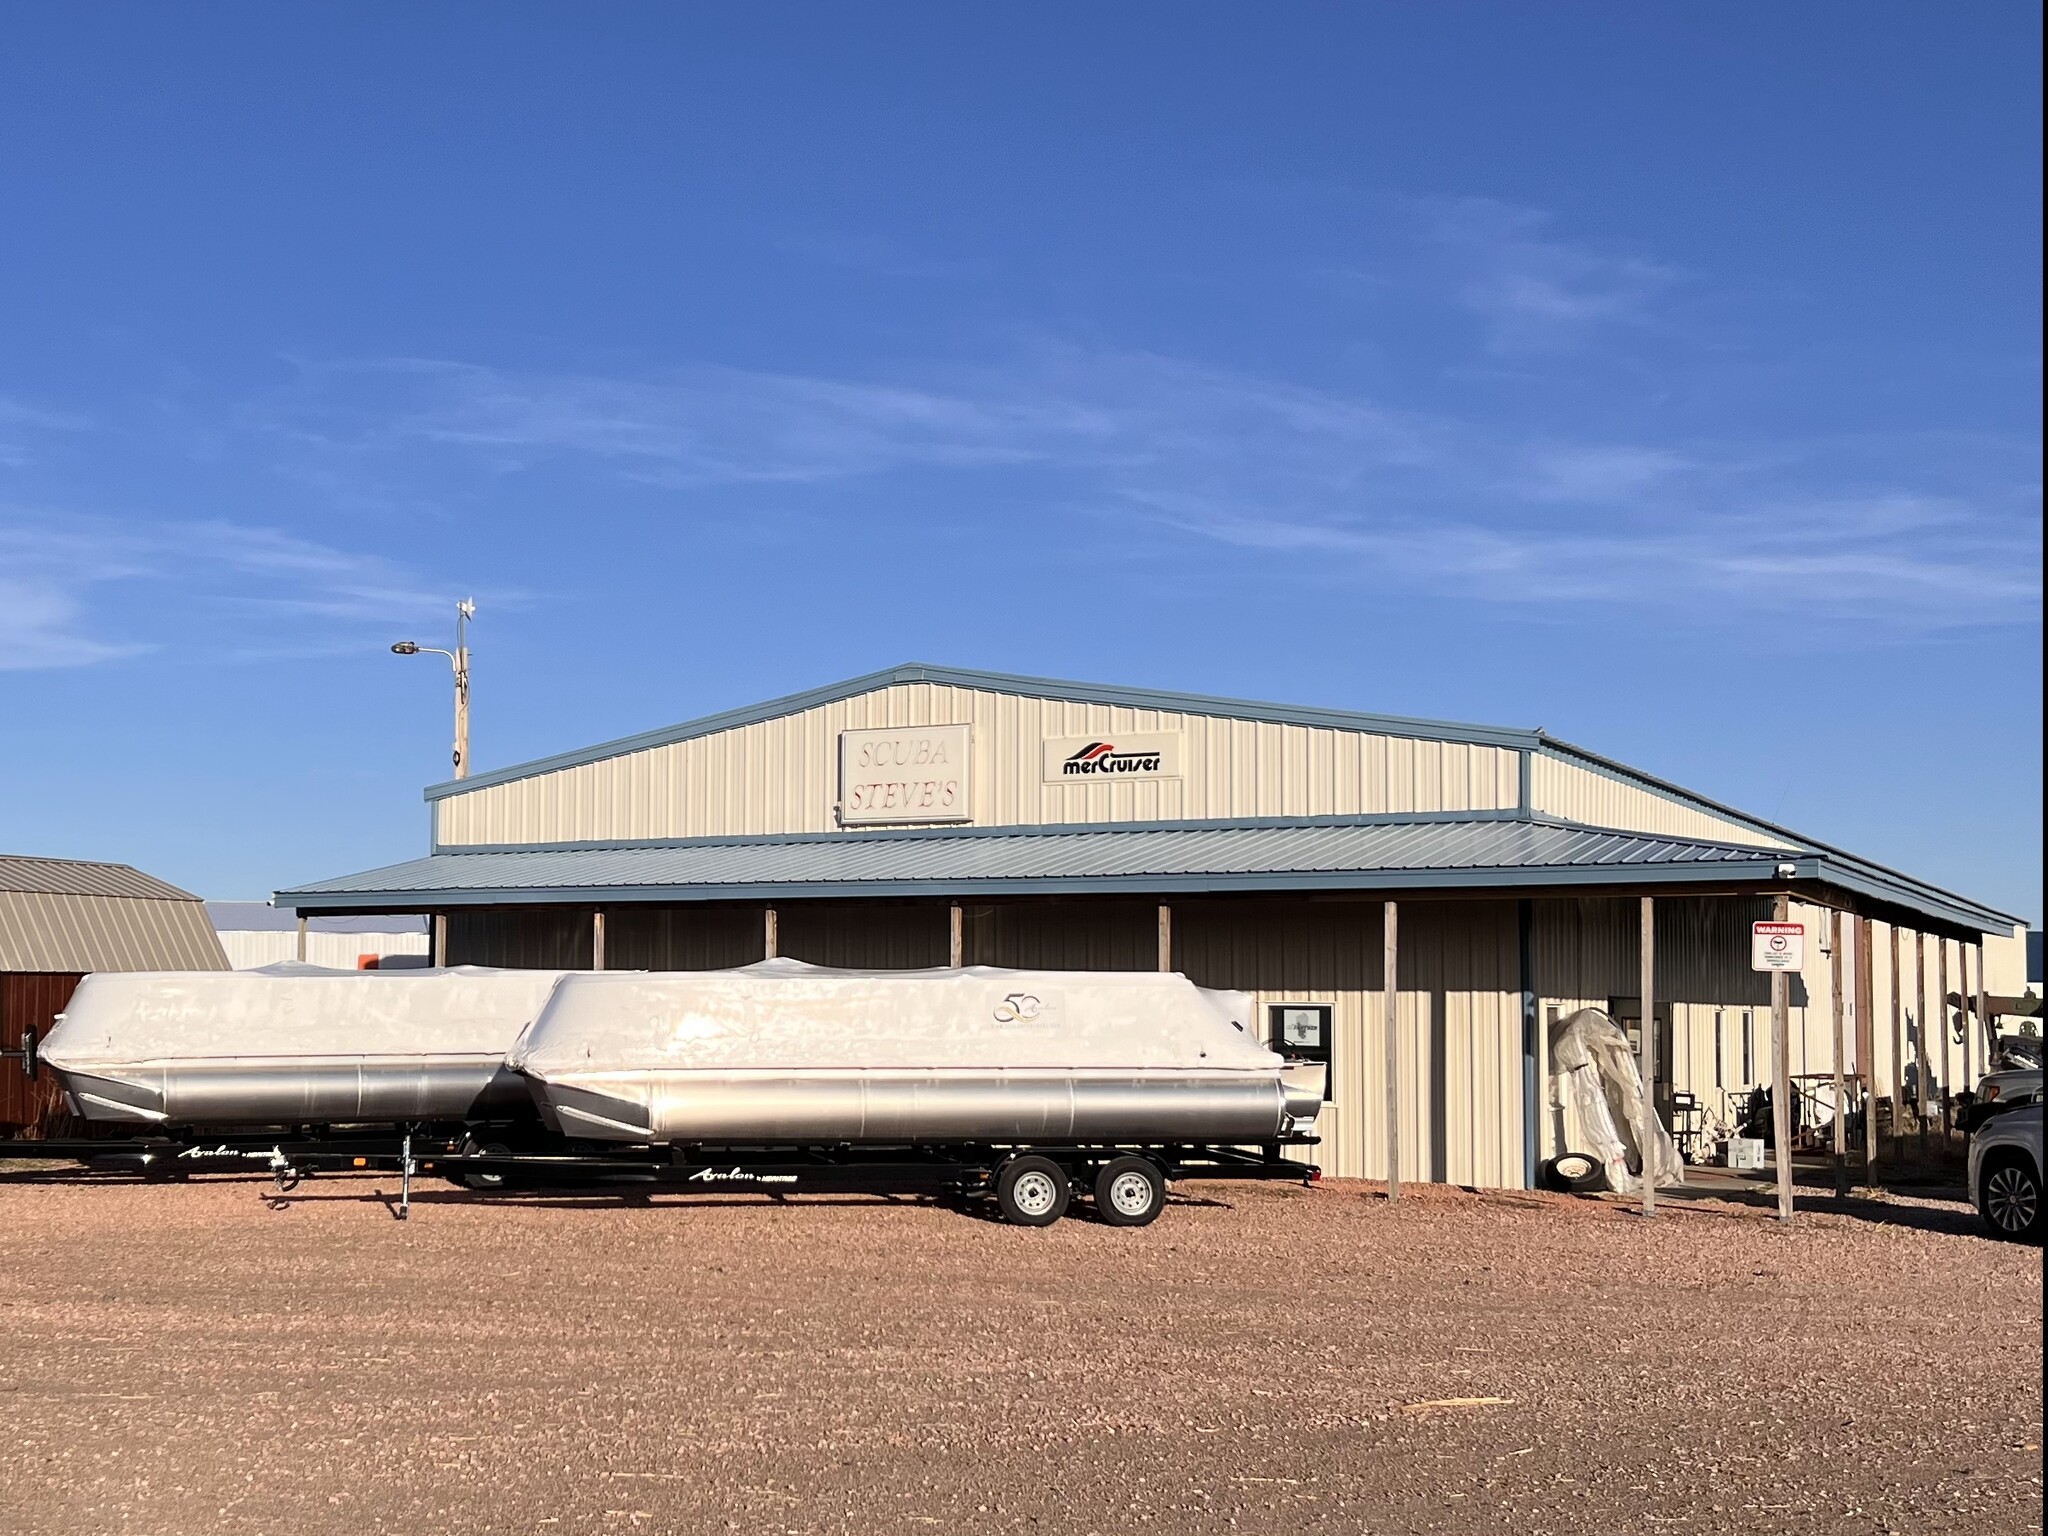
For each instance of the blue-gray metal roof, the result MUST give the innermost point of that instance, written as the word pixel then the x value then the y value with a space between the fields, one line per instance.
pixel 1377 853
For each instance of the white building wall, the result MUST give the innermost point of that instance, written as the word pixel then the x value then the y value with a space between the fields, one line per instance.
pixel 247 950
pixel 781 775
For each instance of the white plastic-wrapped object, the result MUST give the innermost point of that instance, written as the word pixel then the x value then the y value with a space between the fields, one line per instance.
pixel 292 1042
pixel 781 1051
pixel 1591 1058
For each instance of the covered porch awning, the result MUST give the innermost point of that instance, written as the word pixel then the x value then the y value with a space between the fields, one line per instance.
pixel 1502 853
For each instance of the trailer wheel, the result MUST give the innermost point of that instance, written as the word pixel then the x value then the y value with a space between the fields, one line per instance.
pixel 1574 1173
pixel 471 1147
pixel 1032 1191
pixel 1130 1191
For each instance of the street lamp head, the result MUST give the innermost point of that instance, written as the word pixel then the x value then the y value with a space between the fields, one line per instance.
pixel 406 648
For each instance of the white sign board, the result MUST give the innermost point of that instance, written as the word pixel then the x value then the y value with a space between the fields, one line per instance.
pixel 1777 946
pixel 1112 756
pixel 909 773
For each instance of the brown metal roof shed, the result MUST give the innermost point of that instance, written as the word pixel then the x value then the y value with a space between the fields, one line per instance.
pixel 63 918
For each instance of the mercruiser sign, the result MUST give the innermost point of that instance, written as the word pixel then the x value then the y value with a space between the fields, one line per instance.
pixel 1112 755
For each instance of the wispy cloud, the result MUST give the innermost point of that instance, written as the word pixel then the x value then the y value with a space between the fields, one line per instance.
pixel 21 424
pixel 63 578
pixel 1534 289
pixel 1387 497
pixel 1384 497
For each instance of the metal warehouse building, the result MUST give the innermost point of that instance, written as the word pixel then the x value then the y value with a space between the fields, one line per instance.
pixel 928 816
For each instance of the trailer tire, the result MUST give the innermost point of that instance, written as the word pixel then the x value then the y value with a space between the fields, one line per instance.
pixel 1032 1191
pixel 471 1147
pixel 1574 1173
pixel 1130 1191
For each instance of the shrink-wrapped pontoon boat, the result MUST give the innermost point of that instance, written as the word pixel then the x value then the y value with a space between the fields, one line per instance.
pixel 784 1052
pixel 295 1044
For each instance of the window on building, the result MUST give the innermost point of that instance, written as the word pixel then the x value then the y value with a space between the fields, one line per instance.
pixel 1719 1074
pixel 1748 1046
pixel 1301 1032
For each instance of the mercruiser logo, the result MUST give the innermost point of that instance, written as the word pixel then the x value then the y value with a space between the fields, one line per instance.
pixel 1103 757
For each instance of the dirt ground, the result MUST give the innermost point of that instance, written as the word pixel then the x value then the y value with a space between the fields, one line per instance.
pixel 201 1358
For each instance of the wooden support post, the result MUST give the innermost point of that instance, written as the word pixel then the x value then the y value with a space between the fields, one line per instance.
pixel 1897 1081
pixel 1984 1020
pixel 769 948
pixel 1165 937
pixel 1943 1082
pixel 440 938
pixel 597 938
pixel 1390 935
pixel 1646 1134
pixel 1781 1074
pixel 1963 1000
pixel 1920 1014
pixel 1866 1045
pixel 302 938
pixel 1841 1138
pixel 956 937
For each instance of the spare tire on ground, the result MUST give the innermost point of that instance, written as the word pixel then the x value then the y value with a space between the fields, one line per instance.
pixel 1574 1173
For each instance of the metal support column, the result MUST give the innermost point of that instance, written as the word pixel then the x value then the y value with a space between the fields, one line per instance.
pixel 1781 1074
pixel 597 939
pixel 768 934
pixel 302 939
pixel 1165 937
pixel 956 937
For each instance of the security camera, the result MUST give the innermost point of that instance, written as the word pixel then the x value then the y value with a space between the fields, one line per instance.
pixel 1787 871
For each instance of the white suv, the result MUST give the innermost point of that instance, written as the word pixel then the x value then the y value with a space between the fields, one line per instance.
pixel 2005 1173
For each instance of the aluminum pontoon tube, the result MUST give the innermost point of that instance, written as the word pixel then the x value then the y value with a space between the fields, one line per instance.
pixel 785 1052
pixel 295 1044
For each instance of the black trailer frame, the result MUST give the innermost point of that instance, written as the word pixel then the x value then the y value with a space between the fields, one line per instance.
pixel 776 1171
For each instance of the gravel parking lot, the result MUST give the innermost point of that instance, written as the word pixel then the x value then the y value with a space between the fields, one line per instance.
pixel 201 1358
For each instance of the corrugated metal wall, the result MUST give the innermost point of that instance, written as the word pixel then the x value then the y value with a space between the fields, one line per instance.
pixel 864 937
pixel 1459 1006
pixel 522 938
pixel 50 931
pixel 1575 793
pixel 782 775
pixel 1458 1011
pixel 246 950
pixel 683 938
pixel 32 1109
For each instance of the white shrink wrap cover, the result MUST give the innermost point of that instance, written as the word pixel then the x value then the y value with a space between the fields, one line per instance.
pixel 783 1052
pixel 118 1017
pixel 295 1044
pixel 788 1016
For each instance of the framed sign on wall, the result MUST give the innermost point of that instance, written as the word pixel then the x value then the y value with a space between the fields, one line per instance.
pixel 1301 1032
pixel 905 774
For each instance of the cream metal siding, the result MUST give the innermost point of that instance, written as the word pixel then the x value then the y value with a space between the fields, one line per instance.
pixel 1458 1010
pixel 1577 793
pixel 781 775
pixel 247 950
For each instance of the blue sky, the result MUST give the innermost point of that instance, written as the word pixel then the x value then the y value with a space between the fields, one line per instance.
pixel 1666 377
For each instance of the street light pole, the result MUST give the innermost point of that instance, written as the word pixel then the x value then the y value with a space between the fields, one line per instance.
pixel 459 659
pixel 464 612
